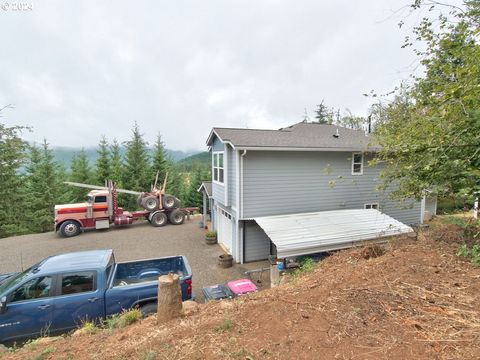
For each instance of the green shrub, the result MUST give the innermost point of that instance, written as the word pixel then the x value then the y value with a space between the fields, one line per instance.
pixel 470 252
pixel 89 327
pixel 307 264
pixel 211 233
pixel 126 318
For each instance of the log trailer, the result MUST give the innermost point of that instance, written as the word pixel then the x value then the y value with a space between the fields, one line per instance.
pixel 101 210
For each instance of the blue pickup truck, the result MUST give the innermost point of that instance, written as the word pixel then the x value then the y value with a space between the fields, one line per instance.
pixel 60 292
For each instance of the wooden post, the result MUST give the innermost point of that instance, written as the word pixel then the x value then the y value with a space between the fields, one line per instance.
pixel 274 275
pixel 169 298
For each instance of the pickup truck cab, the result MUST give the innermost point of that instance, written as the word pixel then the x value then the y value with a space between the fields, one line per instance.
pixel 59 293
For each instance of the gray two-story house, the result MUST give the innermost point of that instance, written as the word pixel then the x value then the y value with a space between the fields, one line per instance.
pixel 305 168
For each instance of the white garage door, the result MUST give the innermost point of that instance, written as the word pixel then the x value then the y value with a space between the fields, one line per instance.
pixel 224 230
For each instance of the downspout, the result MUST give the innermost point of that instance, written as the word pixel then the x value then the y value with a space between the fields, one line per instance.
pixel 241 244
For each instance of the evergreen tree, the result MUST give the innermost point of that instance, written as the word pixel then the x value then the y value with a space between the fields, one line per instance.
pixel 116 163
pixel 324 114
pixel 137 170
pixel 160 161
pixel 193 197
pixel 13 201
pixel 80 172
pixel 44 188
pixel 102 171
pixel 116 170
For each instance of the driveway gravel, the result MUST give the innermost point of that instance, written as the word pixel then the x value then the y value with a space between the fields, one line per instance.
pixel 137 241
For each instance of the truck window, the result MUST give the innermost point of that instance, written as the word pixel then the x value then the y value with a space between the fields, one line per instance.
pixel 77 283
pixel 100 199
pixel 34 289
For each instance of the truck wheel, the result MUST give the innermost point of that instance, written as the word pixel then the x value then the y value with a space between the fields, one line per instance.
pixel 158 219
pixel 148 309
pixel 177 217
pixel 70 228
pixel 150 203
pixel 169 202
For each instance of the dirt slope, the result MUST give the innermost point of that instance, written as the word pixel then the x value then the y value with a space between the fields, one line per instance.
pixel 417 301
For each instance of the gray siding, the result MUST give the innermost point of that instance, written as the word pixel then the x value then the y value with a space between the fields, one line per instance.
pixel 257 243
pixel 218 190
pixel 232 176
pixel 295 182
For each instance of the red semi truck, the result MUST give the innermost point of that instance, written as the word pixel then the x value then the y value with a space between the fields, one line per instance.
pixel 101 210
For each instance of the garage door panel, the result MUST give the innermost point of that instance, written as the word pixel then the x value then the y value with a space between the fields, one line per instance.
pixel 225 229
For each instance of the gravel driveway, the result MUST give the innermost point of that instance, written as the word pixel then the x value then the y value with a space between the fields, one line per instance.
pixel 137 241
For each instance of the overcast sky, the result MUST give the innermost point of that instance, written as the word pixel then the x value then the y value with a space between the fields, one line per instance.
pixel 76 70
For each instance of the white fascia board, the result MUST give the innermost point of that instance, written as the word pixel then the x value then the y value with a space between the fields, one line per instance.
pixel 266 148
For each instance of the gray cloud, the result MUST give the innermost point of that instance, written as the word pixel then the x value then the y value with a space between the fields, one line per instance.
pixel 77 70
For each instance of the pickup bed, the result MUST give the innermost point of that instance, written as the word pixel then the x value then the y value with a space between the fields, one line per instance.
pixel 59 293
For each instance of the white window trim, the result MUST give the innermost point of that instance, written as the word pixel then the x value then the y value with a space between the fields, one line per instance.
pixel 213 168
pixel 361 164
pixel 372 204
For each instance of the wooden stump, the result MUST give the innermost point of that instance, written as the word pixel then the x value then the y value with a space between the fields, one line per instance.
pixel 169 298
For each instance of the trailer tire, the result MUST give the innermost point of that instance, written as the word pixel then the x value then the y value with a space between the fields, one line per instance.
pixel 148 309
pixel 150 203
pixel 176 217
pixel 70 228
pixel 169 202
pixel 158 219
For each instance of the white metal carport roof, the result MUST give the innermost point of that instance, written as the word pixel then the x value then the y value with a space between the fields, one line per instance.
pixel 308 233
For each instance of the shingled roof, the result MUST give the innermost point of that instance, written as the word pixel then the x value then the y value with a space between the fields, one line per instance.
pixel 308 136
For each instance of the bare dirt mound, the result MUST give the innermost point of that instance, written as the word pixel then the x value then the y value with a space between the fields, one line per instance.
pixel 416 301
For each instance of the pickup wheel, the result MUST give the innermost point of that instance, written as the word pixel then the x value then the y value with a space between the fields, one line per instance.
pixel 148 309
pixel 169 202
pixel 177 217
pixel 158 219
pixel 70 228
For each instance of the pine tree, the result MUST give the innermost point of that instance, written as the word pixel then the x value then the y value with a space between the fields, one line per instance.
pixel 102 171
pixel 44 188
pixel 160 161
pixel 80 172
pixel 13 200
pixel 137 170
pixel 324 114
pixel 116 163
pixel 193 197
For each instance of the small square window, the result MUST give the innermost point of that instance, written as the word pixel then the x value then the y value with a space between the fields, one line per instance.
pixel 371 206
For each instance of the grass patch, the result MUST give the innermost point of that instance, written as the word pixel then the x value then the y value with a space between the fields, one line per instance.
pixel 45 353
pixel 124 319
pixel 225 325
pixel 307 264
pixel 473 253
pixel 149 355
pixel 89 327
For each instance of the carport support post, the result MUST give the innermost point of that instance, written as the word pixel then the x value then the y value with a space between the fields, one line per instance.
pixel 274 272
pixel 169 298
pixel 204 209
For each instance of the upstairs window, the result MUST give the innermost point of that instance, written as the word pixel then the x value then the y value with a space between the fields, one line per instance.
pixel 357 163
pixel 218 167
pixel 371 206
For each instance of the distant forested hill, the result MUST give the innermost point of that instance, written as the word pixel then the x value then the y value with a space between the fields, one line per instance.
pixel 64 155
pixel 200 160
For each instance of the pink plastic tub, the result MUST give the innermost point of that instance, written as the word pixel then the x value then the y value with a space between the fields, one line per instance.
pixel 242 286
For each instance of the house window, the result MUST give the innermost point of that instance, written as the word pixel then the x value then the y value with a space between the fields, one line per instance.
pixel 357 163
pixel 371 206
pixel 218 167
